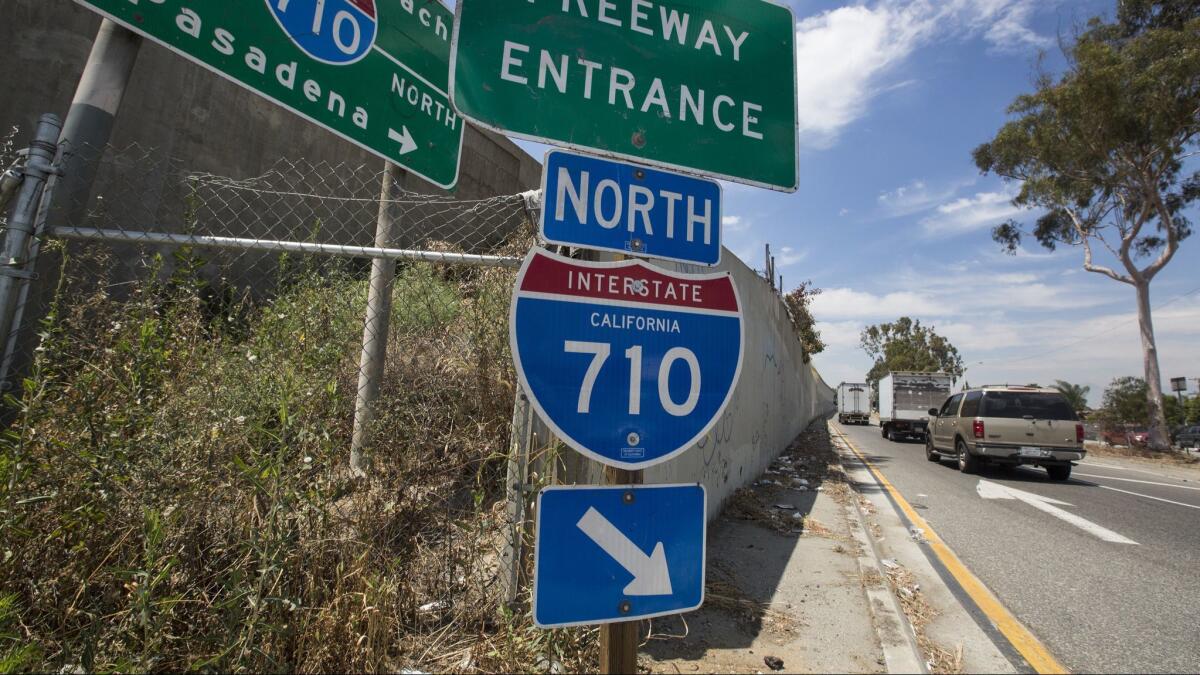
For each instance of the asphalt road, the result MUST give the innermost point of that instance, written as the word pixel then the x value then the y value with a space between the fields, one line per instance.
pixel 1098 605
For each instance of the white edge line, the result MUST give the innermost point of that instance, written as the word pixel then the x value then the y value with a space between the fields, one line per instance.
pixel 1089 462
pixel 535 295
pixel 565 437
pixel 212 69
pixel 1134 480
pixel 720 211
pixel 537 549
pixel 1138 494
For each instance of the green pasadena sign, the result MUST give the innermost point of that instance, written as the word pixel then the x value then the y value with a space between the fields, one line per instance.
pixel 705 86
pixel 373 73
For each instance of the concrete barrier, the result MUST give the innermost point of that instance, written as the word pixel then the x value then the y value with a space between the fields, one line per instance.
pixel 777 397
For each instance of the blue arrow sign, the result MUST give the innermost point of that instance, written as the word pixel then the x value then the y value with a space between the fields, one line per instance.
pixel 607 554
pixel 614 206
pixel 627 363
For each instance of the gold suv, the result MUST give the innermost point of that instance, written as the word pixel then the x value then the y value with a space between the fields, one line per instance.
pixel 1006 426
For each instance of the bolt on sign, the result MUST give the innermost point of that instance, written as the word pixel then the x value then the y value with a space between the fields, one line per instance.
pixel 701 86
pixel 374 73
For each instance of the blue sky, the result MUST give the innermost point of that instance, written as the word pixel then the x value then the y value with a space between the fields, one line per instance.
pixel 892 218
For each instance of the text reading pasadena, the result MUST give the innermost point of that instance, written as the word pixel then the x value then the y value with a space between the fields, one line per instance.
pixel 577 76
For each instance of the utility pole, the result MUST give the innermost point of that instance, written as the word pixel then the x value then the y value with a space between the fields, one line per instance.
pixel 93 114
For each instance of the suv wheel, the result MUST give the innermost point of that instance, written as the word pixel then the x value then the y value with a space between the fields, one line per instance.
pixel 1059 473
pixel 967 463
pixel 931 454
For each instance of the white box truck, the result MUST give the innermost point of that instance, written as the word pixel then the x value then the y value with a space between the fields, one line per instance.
pixel 905 399
pixel 854 403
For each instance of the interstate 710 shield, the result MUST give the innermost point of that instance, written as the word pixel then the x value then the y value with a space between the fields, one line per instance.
pixel 628 363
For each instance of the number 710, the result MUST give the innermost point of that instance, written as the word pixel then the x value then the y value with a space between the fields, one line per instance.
pixel 601 351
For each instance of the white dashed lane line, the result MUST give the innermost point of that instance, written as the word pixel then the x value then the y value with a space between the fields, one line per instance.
pixel 1132 480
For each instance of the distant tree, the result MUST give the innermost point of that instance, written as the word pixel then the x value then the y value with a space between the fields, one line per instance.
pixel 1102 150
pixel 1125 402
pixel 1174 411
pixel 1137 16
pixel 907 345
pixel 799 306
pixel 1076 394
pixel 1193 410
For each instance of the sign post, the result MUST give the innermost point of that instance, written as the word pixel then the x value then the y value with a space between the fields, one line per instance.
pixel 619 641
pixel 374 73
pixel 701 86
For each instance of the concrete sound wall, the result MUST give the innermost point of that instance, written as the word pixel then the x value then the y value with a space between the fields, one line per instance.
pixel 777 397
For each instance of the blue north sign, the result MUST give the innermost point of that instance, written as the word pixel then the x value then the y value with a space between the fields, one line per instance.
pixel 607 554
pixel 627 363
pixel 614 206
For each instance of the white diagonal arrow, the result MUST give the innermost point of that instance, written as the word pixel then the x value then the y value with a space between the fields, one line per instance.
pixel 990 490
pixel 650 573
pixel 405 139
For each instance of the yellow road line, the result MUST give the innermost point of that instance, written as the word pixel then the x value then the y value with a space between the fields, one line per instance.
pixel 1028 646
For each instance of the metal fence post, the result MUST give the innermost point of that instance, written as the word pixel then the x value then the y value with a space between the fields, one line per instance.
pixel 375 328
pixel 14 266
pixel 83 136
pixel 517 493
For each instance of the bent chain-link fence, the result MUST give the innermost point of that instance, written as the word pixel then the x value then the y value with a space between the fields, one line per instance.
pixel 180 455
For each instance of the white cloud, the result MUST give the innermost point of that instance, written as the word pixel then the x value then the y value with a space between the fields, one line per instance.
pixel 844 55
pixel 789 256
pixel 840 56
pixel 985 209
pixel 844 303
pixel 731 224
pixel 916 197
pixel 843 213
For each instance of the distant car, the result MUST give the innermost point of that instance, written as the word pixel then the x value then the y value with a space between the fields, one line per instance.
pixel 1007 426
pixel 1139 435
pixel 1188 437
pixel 1128 436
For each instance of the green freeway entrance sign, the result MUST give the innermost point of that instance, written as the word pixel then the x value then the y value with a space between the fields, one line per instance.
pixel 703 86
pixel 373 73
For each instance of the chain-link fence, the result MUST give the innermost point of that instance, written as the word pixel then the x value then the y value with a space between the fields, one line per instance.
pixel 177 481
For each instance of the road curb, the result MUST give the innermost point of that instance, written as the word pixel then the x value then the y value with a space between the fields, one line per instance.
pixel 1006 631
pixel 896 636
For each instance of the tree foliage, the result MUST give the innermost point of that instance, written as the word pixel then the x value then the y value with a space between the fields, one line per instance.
pixel 1102 153
pixel 1192 406
pixel 1076 394
pixel 1125 402
pixel 1102 150
pixel 1175 411
pixel 799 306
pixel 907 345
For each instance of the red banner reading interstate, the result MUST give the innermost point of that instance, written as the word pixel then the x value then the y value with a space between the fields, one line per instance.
pixel 632 281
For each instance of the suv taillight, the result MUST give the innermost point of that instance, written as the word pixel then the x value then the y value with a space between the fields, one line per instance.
pixel 978 428
pixel 1079 433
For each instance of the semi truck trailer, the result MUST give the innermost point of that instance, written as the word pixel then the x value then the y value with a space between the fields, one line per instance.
pixel 854 403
